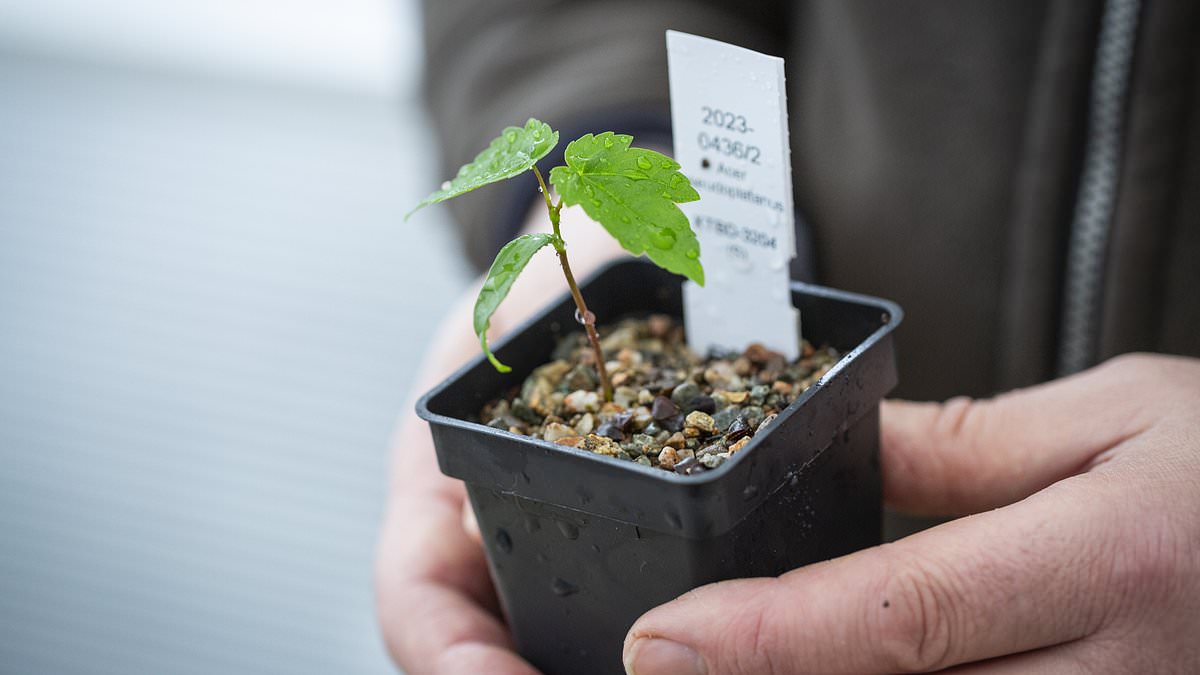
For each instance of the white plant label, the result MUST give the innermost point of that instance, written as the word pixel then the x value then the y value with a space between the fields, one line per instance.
pixel 729 113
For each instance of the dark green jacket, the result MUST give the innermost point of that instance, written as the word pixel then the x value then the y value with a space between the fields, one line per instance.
pixel 1023 177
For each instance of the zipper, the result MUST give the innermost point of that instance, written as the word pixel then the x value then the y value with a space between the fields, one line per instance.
pixel 1096 200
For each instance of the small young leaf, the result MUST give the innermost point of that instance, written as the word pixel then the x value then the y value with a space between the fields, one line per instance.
pixel 634 194
pixel 508 264
pixel 513 152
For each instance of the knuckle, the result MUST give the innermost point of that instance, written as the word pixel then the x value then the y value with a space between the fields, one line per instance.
pixel 914 627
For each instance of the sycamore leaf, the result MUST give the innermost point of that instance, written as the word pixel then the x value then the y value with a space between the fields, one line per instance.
pixel 634 194
pixel 504 271
pixel 512 153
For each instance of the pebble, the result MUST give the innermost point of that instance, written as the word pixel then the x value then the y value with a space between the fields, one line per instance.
pixel 685 453
pixel 659 325
pixel 703 403
pixel 713 460
pixel 735 397
pixel 602 445
pixel 725 417
pixel 754 415
pixel 702 421
pixel 687 466
pixel 736 447
pixel 720 374
pixel 684 393
pixel 643 460
pixel 586 424
pixel 626 397
pixel 758 393
pixel 663 407
pixel 640 419
pixel 644 397
pixel 554 432
pixel 710 450
pixel 738 430
pixel 667 458
pixel 782 388
pixel 676 440
pixel 571 441
pixel 580 401
pixel 611 429
pixel 581 377
pixel 766 420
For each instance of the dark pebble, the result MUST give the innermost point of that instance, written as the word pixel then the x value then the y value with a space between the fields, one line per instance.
pixel 684 393
pixel 611 429
pixel 663 407
pixel 738 429
pixel 687 465
pixel 522 411
pixel 673 423
pixel 702 403
pixel 710 450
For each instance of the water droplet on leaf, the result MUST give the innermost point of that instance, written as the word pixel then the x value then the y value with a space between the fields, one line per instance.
pixel 510 136
pixel 692 254
pixel 663 238
pixel 644 164
pixel 608 142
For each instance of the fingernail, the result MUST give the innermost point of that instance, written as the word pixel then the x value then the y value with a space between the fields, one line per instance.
pixel 655 656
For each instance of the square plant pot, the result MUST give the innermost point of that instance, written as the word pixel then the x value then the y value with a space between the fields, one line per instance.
pixel 580 545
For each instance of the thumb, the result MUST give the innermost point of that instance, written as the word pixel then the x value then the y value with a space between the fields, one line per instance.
pixel 964 591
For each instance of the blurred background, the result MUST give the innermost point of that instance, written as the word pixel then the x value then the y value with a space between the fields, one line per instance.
pixel 209 318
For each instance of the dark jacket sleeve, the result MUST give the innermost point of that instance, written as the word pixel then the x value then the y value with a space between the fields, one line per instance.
pixel 578 65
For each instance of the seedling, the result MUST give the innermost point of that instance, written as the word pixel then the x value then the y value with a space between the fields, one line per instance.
pixel 632 192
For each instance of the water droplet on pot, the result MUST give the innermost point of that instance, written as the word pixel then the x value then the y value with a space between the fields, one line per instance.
pixel 541 557
pixel 503 541
pixel 562 588
pixel 750 492
pixel 644 164
pixel 532 524
pixel 568 530
pixel 663 238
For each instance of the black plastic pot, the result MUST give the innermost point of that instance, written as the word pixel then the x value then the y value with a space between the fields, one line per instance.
pixel 580 544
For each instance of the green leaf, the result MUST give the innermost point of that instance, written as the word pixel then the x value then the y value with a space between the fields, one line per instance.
pixel 634 194
pixel 512 153
pixel 504 271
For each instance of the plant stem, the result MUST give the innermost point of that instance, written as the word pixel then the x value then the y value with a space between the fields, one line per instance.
pixel 585 317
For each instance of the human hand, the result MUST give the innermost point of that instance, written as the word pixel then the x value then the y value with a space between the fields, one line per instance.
pixel 1089 562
